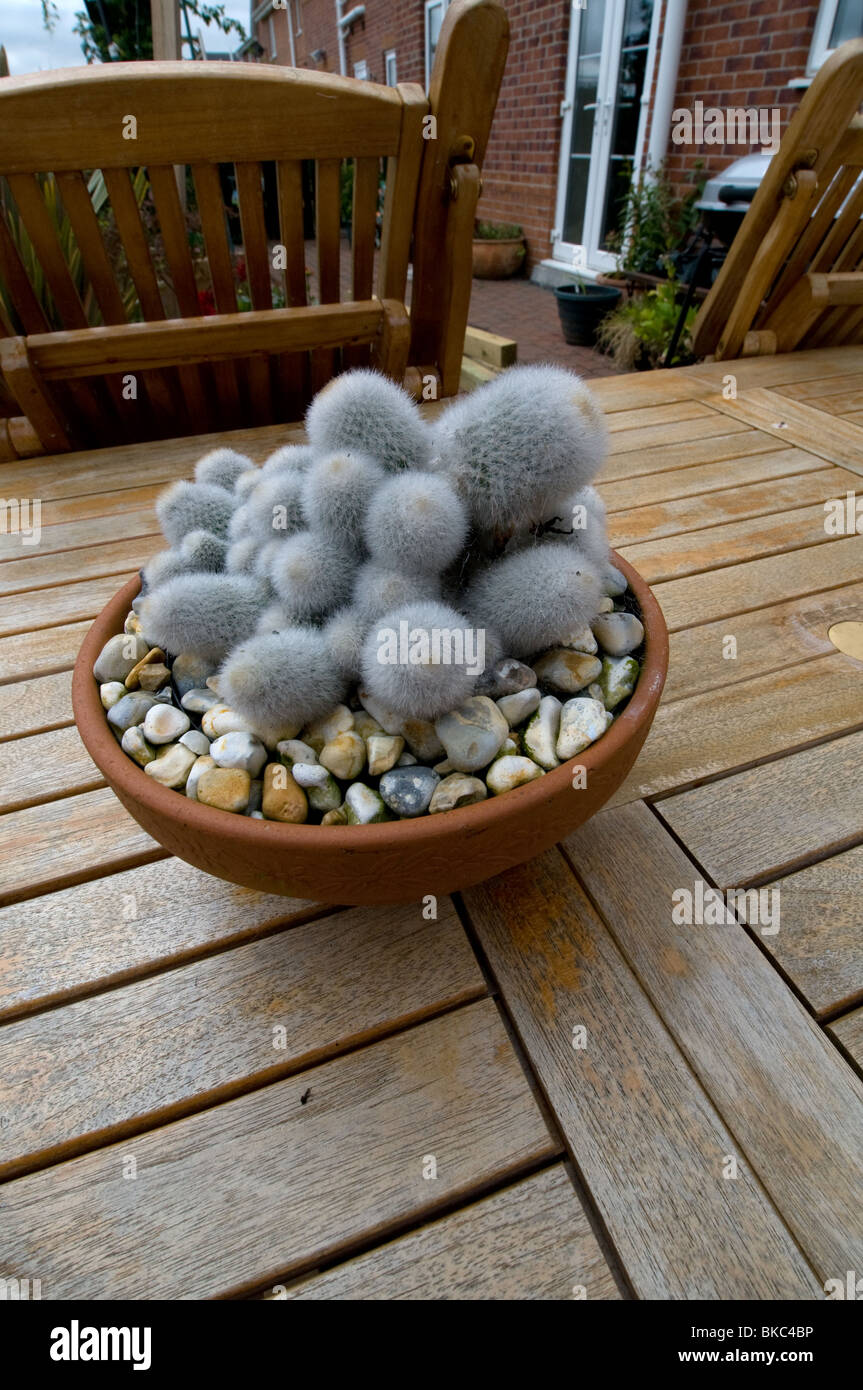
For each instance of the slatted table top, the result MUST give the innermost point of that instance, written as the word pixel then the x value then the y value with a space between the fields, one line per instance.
pixel 557 1088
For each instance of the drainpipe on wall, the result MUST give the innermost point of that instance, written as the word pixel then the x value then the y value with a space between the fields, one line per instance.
pixel 666 82
pixel 344 22
pixel 293 46
pixel 343 56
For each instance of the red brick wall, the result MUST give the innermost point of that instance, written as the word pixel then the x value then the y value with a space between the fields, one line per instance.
pixel 520 174
pixel 739 55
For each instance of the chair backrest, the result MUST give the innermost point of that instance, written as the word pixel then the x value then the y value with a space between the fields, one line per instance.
pixel 794 274
pixel 126 311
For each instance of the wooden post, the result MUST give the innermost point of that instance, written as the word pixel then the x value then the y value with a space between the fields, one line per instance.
pixel 165 15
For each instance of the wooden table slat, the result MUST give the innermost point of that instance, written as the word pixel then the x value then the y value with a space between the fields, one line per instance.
pixel 795 1106
pixel 135 1056
pixel 530 1241
pixel 237 1196
pixel 776 817
pixel 646 1140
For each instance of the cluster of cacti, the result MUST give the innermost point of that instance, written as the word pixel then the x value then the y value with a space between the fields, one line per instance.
pixel 484 519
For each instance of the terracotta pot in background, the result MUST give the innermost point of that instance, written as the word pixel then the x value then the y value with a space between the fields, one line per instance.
pixel 396 861
pixel 498 259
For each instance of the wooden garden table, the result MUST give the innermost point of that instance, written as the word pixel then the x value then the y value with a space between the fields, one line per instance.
pixel 553 1086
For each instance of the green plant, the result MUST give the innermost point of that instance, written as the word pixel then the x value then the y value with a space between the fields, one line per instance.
pixel 112 30
pixel 653 219
pixel 496 231
pixel 636 334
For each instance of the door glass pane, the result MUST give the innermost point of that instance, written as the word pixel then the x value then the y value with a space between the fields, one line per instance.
pixel 626 112
pixel 584 111
pixel 848 23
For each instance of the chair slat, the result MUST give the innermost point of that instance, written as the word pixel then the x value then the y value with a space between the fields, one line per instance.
pixel 161 391
pixel 211 209
pixel 17 283
pixel 135 246
pixel 256 252
pixel 85 225
pixel 363 232
pixel 93 401
pixel 41 230
pixel 193 381
pixel 328 235
pixel 807 249
pixel 403 175
pixel 293 368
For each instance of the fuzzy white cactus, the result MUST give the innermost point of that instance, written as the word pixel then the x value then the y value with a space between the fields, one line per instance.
pixel 518 447
pixel 222 467
pixel 204 551
pixel 311 575
pixel 427 684
pixel 274 508
pixel 185 507
pixel 337 492
pixel 207 614
pixel 281 680
pixel 535 598
pixel 345 633
pixel 378 589
pixel 416 521
pixel 364 528
pixel 242 555
pixel 291 458
pixel 364 410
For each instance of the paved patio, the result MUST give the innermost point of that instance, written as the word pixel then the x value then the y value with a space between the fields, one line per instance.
pixel 526 312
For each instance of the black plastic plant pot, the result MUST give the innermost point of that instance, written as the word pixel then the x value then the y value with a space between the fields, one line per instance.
pixel 580 308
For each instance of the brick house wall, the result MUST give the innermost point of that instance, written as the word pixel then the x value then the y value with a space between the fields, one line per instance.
pixel 741 54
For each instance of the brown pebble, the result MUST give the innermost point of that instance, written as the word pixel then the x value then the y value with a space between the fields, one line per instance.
pixel 133 680
pixel 154 676
pixel 337 817
pixel 226 788
pixel 283 800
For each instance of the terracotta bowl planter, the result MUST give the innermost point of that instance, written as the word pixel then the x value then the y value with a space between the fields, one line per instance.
pixel 397 861
pixel 498 259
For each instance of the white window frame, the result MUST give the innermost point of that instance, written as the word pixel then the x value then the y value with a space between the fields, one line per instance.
pixel 824 21
pixel 390 68
pixel 361 70
pixel 430 5
pixel 299 25
pixel 271 29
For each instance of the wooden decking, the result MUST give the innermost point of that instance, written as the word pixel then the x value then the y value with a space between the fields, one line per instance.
pixel 553 1090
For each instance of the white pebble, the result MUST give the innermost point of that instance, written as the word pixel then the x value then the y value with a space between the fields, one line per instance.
pixel 310 774
pixel 165 724
pixel 111 692
pixel 221 719
pixel 199 767
pixel 239 749
pixel 582 722
pixel 198 742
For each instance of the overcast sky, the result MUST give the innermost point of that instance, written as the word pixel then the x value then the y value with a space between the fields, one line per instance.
pixel 30 47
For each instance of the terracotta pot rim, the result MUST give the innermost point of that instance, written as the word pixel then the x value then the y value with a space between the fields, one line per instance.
pixel 120 771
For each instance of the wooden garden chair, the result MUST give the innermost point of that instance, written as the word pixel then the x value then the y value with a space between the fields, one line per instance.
pixel 794 274
pixel 71 360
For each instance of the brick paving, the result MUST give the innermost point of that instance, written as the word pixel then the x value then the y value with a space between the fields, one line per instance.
pixel 514 308
pixel 528 313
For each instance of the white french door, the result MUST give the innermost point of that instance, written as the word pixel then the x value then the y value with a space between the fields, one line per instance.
pixel 612 51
